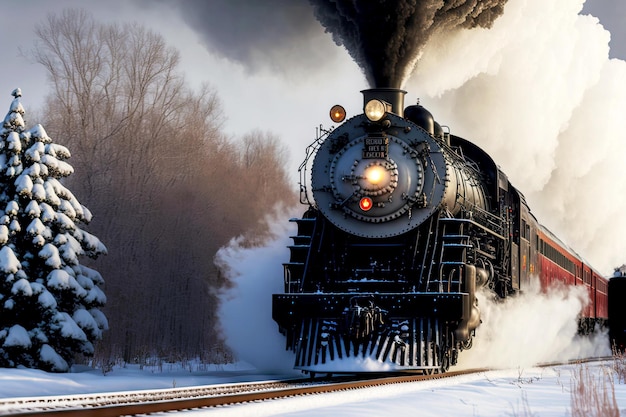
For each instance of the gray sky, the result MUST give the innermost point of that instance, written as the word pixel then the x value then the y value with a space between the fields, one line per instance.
pixel 251 88
pixel 612 15
pixel 304 85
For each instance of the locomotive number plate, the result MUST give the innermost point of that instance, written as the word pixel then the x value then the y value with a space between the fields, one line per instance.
pixel 376 147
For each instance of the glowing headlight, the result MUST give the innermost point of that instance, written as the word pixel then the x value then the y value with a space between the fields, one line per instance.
pixel 375 174
pixel 375 110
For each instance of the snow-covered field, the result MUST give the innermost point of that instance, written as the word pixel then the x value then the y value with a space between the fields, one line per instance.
pixel 528 391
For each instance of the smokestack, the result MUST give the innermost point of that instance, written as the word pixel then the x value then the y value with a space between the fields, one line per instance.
pixel 393 96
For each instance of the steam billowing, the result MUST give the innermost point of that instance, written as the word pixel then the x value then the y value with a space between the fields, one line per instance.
pixel 386 37
pixel 539 93
pixel 516 333
pixel 245 310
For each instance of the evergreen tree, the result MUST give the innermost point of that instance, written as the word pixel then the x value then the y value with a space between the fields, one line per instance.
pixel 49 302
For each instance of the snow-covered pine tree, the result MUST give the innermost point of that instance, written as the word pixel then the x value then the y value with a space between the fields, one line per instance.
pixel 49 302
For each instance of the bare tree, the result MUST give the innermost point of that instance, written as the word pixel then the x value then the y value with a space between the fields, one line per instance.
pixel 166 186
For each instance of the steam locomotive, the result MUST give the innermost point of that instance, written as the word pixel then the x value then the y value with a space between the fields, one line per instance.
pixel 405 222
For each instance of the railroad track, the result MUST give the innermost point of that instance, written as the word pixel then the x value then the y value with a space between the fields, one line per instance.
pixel 153 401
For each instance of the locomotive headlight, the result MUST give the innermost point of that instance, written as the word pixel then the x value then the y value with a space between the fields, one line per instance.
pixel 375 174
pixel 375 110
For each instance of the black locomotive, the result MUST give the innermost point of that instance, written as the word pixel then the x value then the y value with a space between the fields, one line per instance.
pixel 405 222
pixel 617 312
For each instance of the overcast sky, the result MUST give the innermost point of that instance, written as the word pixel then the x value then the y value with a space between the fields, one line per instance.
pixel 329 71
pixel 252 91
pixel 612 15
pixel 275 69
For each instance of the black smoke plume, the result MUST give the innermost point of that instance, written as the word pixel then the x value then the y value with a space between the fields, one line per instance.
pixel 385 37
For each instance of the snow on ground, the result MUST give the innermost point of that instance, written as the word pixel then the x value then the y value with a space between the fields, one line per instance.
pixel 34 383
pixel 526 392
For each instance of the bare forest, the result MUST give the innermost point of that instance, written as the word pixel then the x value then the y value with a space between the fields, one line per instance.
pixel 166 186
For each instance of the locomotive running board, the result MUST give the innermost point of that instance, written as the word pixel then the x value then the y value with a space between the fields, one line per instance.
pixel 289 309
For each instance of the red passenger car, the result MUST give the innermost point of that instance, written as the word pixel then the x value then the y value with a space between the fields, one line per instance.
pixel 557 263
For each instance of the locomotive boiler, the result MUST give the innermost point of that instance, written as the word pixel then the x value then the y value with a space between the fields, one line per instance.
pixel 405 222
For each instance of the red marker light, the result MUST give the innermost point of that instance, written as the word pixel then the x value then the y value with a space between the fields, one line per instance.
pixel 365 203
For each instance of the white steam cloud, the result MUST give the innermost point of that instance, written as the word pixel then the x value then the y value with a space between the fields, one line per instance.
pixel 245 309
pixel 535 327
pixel 539 93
